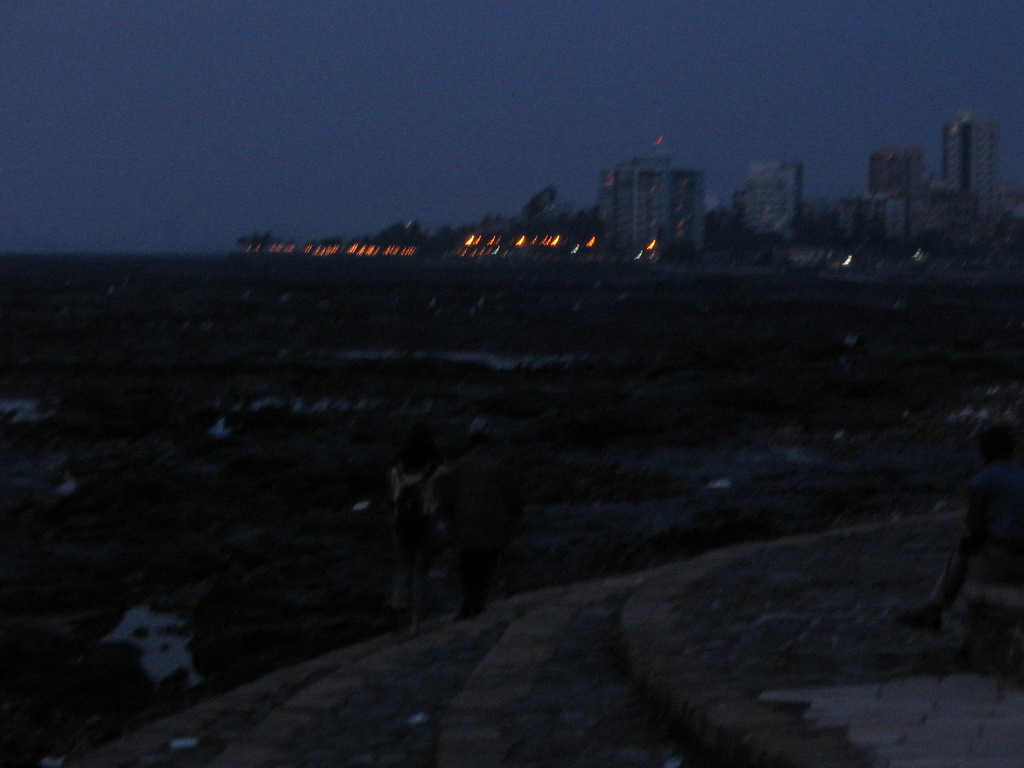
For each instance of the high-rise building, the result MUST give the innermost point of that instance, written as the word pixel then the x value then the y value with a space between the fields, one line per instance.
pixel 896 171
pixel 970 153
pixel 772 196
pixel 647 201
pixel 896 179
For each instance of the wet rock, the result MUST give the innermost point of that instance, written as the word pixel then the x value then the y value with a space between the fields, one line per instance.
pixel 108 677
pixel 276 542
pixel 233 655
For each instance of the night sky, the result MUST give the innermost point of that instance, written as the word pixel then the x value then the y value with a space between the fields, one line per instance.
pixel 152 125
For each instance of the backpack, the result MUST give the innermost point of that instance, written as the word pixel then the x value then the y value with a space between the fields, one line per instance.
pixel 410 509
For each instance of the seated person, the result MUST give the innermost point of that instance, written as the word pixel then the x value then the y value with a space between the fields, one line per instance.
pixel 992 548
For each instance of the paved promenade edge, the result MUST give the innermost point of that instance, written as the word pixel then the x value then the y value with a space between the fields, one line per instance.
pixel 727 724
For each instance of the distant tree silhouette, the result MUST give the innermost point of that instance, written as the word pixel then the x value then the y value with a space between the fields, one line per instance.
pixel 402 233
pixel 585 223
pixel 448 237
pixel 539 203
pixel 256 241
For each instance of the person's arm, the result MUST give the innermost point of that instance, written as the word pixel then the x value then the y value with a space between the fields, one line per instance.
pixel 432 491
pixel 440 495
pixel 394 486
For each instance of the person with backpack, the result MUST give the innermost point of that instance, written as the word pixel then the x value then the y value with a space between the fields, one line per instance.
pixel 409 482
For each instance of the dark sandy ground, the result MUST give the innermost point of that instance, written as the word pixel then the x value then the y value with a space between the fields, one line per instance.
pixel 209 438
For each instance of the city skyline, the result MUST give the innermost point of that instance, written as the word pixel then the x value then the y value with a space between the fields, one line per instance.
pixel 175 127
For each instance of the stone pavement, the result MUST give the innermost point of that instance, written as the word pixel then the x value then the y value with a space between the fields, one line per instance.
pixel 764 654
pixel 959 720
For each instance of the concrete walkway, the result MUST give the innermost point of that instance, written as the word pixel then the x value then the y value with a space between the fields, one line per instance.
pixel 651 669
pixel 960 720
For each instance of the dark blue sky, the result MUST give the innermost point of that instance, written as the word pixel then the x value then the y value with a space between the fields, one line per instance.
pixel 157 125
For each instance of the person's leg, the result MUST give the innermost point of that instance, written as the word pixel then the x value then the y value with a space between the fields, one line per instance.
pixel 477 570
pixel 420 582
pixel 403 584
pixel 951 581
pixel 943 595
pixel 468 583
pixel 489 560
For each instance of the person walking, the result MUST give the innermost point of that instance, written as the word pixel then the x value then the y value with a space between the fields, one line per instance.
pixel 480 501
pixel 409 484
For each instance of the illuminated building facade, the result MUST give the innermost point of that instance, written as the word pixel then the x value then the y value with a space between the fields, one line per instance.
pixel 646 204
pixel 970 152
pixel 772 196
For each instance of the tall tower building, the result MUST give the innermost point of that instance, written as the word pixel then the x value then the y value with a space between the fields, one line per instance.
pixel 646 200
pixel 772 196
pixel 970 152
pixel 896 184
pixel 896 172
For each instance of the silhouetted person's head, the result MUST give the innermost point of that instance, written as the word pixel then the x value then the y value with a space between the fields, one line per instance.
pixel 996 442
pixel 420 449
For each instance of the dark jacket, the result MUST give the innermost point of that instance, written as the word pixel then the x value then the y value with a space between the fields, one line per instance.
pixel 996 511
pixel 479 499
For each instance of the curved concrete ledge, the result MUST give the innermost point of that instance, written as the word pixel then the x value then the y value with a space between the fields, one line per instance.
pixel 728 723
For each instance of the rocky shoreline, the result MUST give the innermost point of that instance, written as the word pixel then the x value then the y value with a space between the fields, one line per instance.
pixel 209 439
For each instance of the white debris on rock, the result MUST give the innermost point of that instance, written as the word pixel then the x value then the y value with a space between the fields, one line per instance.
pixel 20 410
pixel 67 486
pixel 220 430
pixel 162 639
